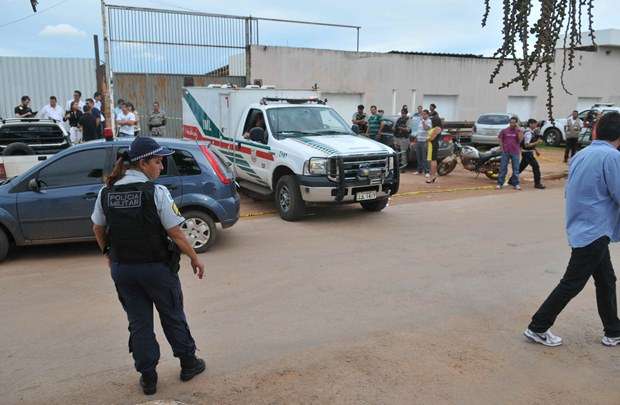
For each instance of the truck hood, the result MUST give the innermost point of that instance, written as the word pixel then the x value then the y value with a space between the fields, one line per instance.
pixel 337 145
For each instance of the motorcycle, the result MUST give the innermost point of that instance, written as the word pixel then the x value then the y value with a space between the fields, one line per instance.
pixel 487 163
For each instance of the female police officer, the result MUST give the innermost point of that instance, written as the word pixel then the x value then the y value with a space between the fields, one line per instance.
pixel 133 219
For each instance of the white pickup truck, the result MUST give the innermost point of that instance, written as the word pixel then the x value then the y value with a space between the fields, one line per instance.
pixel 24 142
pixel 292 146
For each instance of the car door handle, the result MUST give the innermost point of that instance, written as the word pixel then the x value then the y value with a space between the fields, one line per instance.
pixel 89 196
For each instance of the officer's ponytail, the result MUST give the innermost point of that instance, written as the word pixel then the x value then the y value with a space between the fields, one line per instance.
pixel 118 172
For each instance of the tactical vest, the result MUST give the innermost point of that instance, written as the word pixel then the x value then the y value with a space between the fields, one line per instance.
pixel 135 232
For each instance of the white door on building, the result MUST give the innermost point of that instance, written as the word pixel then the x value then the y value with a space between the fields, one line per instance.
pixel 446 105
pixel 521 106
pixel 345 104
pixel 585 103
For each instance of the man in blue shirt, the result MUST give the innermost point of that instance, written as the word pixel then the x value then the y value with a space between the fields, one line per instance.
pixel 592 222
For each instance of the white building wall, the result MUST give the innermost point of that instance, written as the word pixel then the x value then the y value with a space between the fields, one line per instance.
pixel 41 78
pixel 378 75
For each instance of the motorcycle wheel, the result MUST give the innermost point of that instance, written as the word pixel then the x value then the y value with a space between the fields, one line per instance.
pixel 491 170
pixel 447 165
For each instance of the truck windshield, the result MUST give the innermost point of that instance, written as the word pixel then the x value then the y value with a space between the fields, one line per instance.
pixel 302 121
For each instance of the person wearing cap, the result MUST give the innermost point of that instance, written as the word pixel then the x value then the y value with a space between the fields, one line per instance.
pixel 137 226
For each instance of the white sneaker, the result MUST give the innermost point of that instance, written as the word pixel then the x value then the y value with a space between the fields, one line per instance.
pixel 547 338
pixel 517 187
pixel 498 187
pixel 610 341
pixel 427 175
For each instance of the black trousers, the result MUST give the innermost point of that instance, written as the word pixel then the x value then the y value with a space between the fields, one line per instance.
pixel 571 148
pixel 528 159
pixel 592 260
pixel 139 287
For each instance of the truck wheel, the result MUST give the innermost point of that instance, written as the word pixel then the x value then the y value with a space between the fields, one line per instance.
pixel 18 149
pixel 288 199
pixel 4 245
pixel 200 230
pixel 553 137
pixel 376 205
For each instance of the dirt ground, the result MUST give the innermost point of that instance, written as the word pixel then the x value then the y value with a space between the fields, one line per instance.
pixel 422 303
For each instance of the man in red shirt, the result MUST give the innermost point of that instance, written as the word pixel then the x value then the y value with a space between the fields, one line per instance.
pixel 510 142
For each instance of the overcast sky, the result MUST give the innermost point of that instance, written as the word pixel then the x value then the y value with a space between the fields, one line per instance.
pixel 406 25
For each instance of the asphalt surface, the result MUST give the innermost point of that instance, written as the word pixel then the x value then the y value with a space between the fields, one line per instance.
pixel 423 303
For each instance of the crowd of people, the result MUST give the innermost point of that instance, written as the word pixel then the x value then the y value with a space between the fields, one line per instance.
pixel 419 131
pixel 85 119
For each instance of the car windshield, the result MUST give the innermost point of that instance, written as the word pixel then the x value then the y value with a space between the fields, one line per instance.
pixel 301 121
pixel 494 119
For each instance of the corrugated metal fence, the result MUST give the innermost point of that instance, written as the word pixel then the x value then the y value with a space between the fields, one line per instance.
pixel 142 90
pixel 41 78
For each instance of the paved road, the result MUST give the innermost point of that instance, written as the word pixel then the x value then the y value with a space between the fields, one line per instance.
pixel 423 303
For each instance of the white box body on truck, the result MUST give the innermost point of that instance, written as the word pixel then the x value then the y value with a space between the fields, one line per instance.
pixel 289 144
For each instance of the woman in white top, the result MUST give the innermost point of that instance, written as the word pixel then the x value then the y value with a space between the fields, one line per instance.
pixel 136 127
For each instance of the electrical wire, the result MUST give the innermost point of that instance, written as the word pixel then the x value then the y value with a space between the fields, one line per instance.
pixel 34 14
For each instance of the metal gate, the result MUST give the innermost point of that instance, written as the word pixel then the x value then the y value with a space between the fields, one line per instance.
pixel 151 54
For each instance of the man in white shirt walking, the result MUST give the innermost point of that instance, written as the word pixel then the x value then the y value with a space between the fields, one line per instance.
pixel 572 131
pixel 52 111
pixel 126 121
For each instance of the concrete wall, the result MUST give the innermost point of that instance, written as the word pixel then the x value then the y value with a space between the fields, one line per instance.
pixel 379 75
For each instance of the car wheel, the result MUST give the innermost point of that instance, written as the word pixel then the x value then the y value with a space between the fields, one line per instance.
pixel 18 149
pixel 200 230
pixel 4 245
pixel 376 205
pixel 288 199
pixel 553 137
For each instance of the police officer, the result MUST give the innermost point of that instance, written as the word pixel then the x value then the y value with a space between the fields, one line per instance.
pixel 136 224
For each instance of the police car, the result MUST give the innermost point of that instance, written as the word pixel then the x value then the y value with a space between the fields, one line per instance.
pixel 292 146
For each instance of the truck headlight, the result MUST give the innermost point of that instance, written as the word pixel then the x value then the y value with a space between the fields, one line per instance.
pixel 317 166
pixel 391 162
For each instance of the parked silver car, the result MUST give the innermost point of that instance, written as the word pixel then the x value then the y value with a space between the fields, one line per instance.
pixel 488 126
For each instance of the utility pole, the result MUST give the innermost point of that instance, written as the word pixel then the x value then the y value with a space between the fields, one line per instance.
pixel 109 94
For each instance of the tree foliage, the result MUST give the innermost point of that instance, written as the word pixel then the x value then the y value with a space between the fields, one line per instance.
pixel 537 39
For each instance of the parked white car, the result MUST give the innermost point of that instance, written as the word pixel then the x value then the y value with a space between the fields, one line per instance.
pixel 554 134
pixel 488 126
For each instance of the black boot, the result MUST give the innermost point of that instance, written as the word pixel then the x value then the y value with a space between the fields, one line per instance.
pixel 148 382
pixel 191 366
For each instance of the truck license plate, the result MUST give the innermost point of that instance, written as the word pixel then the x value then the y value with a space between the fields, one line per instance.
pixel 366 195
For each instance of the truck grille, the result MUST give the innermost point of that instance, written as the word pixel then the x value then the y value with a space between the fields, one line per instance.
pixel 359 168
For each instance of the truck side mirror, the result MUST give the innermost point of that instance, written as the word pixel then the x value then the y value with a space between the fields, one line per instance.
pixel 355 128
pixel 34 185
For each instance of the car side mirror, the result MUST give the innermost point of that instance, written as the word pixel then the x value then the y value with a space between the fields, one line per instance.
pixel 34 185
pixel 355 128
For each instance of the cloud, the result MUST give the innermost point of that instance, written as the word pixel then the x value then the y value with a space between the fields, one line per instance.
pixel 61 30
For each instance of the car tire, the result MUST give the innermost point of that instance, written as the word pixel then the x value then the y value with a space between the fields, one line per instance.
pixel 553 137
pixel 288 199
pixel 5 245
pixel 200 229
pixel 18 149
pixel 375 205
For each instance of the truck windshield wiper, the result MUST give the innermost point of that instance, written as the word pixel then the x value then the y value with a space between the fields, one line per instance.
pixel 332 132
pixel 291 133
